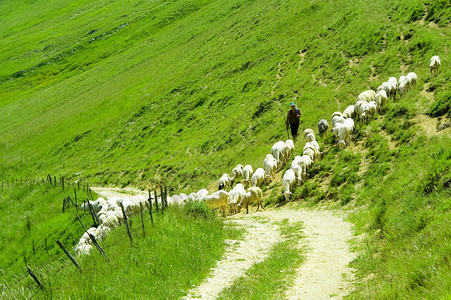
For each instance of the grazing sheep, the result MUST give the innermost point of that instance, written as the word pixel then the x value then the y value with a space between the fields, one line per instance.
pixel 362 110
pixel 235 196
pixel 289 149
pixel 278 150
pixel 202 193
pixel 381 99
pixel 344 133
pixel 270 165
pixel 403 84
pixel 390 87
pixel 309 135
pixel 313 146
pixel 349 112
pixel 372 107
pixel 237 173
pixel 247 174
pixel 288 183
pixel 254 194
pixel 309 152
pixel 434 64
pixel 412 77
pixel 224 182
pixel 323 126
pixel 258 177
pixel 337 118
pixel 393 81
pixel 191 197
pixel 297 173
pixel 305 162
pixel 218 199
pixel 82 249
pixel 367 96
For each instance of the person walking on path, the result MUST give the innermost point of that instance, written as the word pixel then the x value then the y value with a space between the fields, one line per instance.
pixel 293 119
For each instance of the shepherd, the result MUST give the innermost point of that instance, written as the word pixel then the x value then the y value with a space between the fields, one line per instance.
pixel 293 120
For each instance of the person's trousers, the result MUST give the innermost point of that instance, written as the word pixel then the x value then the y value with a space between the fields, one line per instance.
pixel 294 129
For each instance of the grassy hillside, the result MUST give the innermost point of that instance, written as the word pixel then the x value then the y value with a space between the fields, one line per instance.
pixel 140 92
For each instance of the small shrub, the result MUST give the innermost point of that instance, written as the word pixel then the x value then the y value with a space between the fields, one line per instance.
pixel 198 209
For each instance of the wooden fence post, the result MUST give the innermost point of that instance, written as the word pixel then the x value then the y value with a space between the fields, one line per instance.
pixel 69 255
pixel 64 204
pixel 166 195
pixel 95 219
pixel 150 208
pixel 142 219
pixel 162 198
pixel 156 200
pixel 35 279
pixel 126 224
pixel 76 202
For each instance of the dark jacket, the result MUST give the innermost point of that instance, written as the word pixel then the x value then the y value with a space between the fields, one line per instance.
pixel 292 116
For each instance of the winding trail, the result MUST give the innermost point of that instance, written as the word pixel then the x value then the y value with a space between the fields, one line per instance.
pixel 323 275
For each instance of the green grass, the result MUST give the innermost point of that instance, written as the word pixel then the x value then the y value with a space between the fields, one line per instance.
pixel 269 278
pixel 31 223
pixel 148 92
pixel 174 255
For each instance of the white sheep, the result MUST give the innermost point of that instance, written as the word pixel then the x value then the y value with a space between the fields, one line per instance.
pixel 258 177
pixel 309 135
pixel 297 173
pixel 344 132
pixel 278 150
pixel 237 173
pixel 367 96
pixel 218 199
pixel 381 99
pixel 202 193
pixel 235 196
pixel 403 84
pixel 305 162
pixel 434 64
pixel 254 194
pixel 224 182
pixel 337 118
pixel 247 174
pixel 372 107
pixel 289 148
pixel 349 112
pixel 288 183
pixel 362 110
pixel 412 76
pixel 309 152
pixel 270 165
pixel 315 147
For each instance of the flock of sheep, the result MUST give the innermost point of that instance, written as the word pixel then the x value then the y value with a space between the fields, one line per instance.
pixel 234 197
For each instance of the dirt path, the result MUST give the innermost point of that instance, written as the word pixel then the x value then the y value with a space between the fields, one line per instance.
pixel 239 257
pixel 107 192
pixel 323 275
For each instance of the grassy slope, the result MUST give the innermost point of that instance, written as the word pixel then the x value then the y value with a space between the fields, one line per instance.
pixel 138 92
